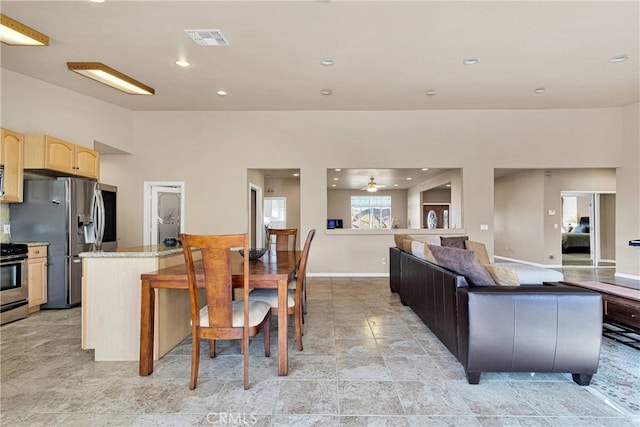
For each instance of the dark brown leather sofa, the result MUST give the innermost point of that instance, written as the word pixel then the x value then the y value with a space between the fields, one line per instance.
pixel 500 328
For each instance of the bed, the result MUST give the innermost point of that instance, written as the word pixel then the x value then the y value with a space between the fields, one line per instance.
pixel 577 240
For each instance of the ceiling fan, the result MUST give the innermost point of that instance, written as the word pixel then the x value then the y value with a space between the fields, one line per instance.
pixel 372 187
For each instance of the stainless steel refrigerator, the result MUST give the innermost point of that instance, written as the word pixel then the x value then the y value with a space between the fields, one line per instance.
pixel 69 214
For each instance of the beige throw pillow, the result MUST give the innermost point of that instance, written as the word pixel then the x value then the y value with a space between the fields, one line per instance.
pixel 480 249
pixel 422 251
pixel 503 276
pixel 398 238
pixel 406 244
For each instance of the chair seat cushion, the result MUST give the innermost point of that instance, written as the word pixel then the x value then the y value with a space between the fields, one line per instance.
pixel 270 296
pixel 292 284
pixel 257 312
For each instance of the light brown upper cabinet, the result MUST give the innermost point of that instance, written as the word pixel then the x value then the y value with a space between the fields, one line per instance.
pixel 49 153
pixel 12 159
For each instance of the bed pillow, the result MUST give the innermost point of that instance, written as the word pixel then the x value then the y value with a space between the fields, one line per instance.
pixel 463 262
pixel 422 251
pixel 503 276
pixel 480 250
pixel 453 242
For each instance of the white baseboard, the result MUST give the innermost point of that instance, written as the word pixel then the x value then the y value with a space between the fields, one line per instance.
pixel 627 276
pixel 348 274
pixel 535 264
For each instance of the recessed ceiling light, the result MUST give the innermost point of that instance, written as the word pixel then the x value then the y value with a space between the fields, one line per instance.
pixel 337 169
pixel 470 61
pixel 619 58
pixel 182 63
pixel 431 92
pixel 327 62
pixel 425 169
pixel 540 90
pixel 325 92
pixel 333 185
pixel 221 93
pixel 336 179
pixel 448 185
pixel 409 178
pixel 96 1
pixel 395 185
pixel 296 174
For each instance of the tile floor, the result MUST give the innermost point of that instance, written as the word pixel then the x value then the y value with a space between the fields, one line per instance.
pixel 367 361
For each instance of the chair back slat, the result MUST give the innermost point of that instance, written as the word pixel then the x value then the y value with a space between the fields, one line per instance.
pixel 216 261
pixel 282 238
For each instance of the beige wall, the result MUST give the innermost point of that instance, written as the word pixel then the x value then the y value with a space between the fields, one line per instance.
pixel 211 151
pixel 519 219
pixel 339 204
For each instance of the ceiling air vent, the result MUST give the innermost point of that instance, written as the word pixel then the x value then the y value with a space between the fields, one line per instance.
pixel 207 37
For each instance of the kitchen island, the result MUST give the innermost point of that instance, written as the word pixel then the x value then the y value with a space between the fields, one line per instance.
pixel 111 302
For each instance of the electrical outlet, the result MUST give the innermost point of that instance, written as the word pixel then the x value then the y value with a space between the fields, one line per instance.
pixel 551 256
pixel 6 228
pixel 384 260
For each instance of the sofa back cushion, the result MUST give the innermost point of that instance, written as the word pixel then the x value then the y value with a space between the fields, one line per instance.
pixel 398 238
pixel 454 242
pixel 463 262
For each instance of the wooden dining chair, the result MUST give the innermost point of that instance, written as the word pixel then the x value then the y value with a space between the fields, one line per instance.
pixel 221 317
pixel 282 238
pixel 294 300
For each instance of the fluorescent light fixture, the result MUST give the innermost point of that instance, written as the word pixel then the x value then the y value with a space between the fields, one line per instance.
pixel 619 58
pixel 110 77
pixel 16 33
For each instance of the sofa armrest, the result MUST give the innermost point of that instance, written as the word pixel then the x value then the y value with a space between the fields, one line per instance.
pixel 529 329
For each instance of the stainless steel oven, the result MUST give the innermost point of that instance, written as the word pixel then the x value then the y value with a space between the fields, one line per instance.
pixel 14 292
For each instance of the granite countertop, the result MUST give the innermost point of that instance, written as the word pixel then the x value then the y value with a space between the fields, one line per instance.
pixel 148 251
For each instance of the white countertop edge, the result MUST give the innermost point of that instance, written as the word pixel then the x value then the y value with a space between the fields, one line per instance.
pixel 151 254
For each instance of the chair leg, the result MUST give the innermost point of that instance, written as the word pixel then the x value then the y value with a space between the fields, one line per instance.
pixel 195 361
pixel 297 314
pixel 212 348
pixel 245 351
pixel 304 297
pixel 267 336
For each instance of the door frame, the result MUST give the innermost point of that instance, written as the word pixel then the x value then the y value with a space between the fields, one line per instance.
pixel 149 210
pixel 259 230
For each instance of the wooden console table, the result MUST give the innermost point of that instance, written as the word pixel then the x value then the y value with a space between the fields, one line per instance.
pixel 620 304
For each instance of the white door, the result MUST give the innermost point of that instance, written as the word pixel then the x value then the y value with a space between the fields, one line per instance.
pixel 164 212
pixel 275 214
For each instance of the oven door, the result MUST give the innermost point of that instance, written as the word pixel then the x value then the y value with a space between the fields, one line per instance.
pixel 13 279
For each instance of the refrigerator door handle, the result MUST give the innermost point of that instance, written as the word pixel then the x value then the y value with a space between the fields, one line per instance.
pixel 102 219
pixel 95 217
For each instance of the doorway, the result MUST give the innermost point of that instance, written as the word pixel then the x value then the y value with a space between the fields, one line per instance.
pixel 164 211
pixel 588 229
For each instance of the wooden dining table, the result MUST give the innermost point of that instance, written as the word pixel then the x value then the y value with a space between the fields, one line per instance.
pixel 273 270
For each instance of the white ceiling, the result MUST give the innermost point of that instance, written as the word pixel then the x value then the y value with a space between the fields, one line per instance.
pixel 387 53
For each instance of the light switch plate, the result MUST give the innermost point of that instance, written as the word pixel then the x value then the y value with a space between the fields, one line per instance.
pixel 6 228
pixel 552 211
pixel 484 226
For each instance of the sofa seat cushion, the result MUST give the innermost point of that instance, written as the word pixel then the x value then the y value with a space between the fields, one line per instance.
pixel 531 274
pixel 463 262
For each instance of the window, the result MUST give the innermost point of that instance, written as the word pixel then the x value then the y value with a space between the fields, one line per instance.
pixel 371 212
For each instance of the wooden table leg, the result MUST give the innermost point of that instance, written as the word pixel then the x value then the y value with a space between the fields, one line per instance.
pixel 146 329
pixel 283 326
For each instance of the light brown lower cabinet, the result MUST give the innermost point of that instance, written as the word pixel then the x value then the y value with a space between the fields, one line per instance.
pixel 37 270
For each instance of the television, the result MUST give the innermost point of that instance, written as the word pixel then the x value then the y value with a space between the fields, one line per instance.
pixel 334 223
